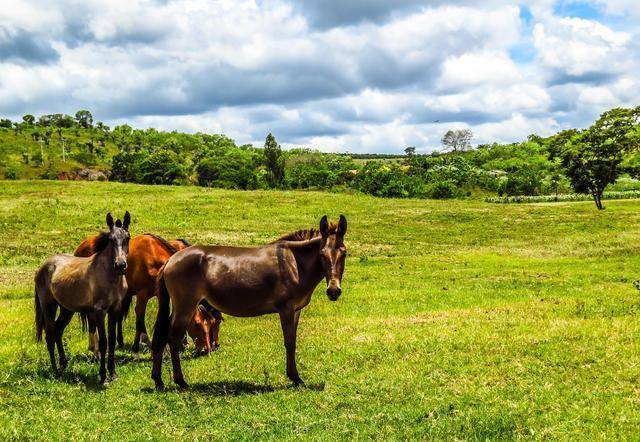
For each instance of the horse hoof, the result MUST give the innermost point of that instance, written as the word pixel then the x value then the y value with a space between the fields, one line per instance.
pixel 136 356
pixel 113 377
pixel 297 382
pixel 103 381
pixel 182 385
pixel 159 387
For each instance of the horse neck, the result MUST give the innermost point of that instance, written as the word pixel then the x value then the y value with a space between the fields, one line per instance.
pixel 307 255
pixel 104 260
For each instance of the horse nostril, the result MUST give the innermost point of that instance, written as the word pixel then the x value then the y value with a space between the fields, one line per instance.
pixel 333 293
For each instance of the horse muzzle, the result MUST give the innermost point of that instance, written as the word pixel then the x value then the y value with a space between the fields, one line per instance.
pixel 334 293
pixel 121 267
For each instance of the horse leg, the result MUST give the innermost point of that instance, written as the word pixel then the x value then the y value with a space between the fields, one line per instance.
pixel 126 303
pixel 141 330
pixel 102 343
pixel 182 316
pixel 120 338
pixel 215 333
pixel 114 318
pixel 61 323
pixel 289 322
pixel 49 312
pixel 93 336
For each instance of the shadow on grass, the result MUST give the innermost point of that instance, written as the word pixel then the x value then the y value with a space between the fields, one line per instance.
pixel 236 388
pixel 72 376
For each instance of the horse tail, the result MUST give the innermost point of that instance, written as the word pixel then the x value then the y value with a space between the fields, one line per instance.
pixel 39 318
pixel 163 320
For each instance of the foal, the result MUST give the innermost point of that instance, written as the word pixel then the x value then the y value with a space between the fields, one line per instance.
pixel 276 278
pixel 93 286
pixel 147 254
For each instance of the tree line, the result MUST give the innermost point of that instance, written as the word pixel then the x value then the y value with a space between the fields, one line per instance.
pixel 577 160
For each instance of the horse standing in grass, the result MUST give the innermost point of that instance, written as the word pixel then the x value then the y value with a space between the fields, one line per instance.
pixel 93 286
pixel 147 254
pixel 276 278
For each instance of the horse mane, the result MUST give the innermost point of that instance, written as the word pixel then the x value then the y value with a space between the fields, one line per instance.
pixel 306 234
pixel 163 242
pixel 184 241
pixel 100 243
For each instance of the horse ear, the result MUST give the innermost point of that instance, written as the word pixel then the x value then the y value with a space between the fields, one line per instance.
pixel 110 221
pixel 118 223
pixel 342 225
pixel 324 226
pixel 127 220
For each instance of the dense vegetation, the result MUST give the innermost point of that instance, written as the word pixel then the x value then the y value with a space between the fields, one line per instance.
pixel 458 320
pixel 582 161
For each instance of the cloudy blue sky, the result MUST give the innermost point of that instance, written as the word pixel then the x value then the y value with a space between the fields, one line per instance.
pixel 348 75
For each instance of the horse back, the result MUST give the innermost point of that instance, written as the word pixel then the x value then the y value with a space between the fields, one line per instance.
pixel 146 257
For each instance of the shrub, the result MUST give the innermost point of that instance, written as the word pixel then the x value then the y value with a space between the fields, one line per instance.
pixel 443 190
pixel 233 169
pixel 523 182
pixel 382 180
pixel 308 169
pixel 50 173
pixel 125 167
pixel 10 173
pixel 162 167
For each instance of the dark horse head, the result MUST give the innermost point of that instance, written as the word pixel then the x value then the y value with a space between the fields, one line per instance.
pixel 333 253
pixel 118 238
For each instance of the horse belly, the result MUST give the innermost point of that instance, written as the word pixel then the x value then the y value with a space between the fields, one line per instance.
pixel 242 291
pixel 72 294
pixel 240 299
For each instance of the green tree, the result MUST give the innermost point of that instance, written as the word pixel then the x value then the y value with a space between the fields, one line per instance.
pixel 84 118
pixel 274 161
pixel 592 158
pixel 29 119
pixel 233 170
pixel 162 167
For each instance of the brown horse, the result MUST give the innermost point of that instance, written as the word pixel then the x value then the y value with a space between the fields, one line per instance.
pixel 92 286
pixel 276 278
pixel 147 254
pixel 204 329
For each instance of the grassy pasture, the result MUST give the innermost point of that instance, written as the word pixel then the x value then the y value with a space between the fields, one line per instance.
pixel 459 319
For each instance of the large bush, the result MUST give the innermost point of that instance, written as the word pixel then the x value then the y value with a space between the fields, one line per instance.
pixel 125 167
pixel 523 182
pixel 162 167
pixel 307 169
pixel 443 190
pixel 233 169
pixel 384 180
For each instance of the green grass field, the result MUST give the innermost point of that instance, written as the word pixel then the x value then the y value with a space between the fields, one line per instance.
pixel 458 320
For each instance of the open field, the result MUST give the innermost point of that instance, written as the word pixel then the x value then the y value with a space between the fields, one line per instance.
pixel 459 319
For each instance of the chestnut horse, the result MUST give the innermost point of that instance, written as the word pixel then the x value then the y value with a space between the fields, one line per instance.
pixel 92 286
pixel 204 329
pixel 147 254
pixel 276 278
